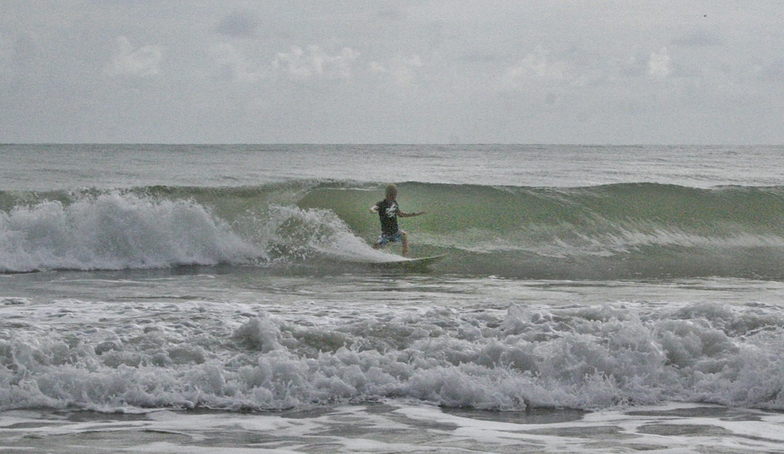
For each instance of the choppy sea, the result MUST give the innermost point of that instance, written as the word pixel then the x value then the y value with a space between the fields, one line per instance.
pixel 225 298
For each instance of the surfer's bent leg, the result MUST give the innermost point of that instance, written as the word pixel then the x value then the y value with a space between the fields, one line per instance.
pixel 385 239
pixel 399 237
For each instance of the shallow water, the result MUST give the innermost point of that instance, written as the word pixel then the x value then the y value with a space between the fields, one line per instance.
pixel 391 428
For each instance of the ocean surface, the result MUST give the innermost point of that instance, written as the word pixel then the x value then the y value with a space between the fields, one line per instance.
pixel 225 298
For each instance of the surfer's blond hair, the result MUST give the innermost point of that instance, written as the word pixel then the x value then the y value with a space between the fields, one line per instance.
pixel 391 191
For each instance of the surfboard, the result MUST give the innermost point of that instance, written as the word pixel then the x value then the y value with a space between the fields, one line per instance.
pixel 414 263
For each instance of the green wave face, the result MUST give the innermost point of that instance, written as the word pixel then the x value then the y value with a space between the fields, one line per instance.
pixel 623 231
pixel 507 212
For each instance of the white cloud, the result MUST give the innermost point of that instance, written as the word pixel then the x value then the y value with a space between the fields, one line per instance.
pixel 314 62
pixel 659 65
pixel 401 69
pixel 536 67
pixel 142 62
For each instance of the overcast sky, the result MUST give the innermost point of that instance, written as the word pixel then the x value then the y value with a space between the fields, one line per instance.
pixel 350 71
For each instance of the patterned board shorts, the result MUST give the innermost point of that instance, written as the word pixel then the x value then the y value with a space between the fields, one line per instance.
pixel 383 240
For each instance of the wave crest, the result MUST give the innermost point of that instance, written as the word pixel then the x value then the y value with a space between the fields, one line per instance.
pixel 116 231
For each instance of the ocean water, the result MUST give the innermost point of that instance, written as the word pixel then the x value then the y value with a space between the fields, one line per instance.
pixel 182 298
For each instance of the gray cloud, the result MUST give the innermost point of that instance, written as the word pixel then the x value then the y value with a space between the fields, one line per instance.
pixel 240 24
pixel 773 71
pixel 698 38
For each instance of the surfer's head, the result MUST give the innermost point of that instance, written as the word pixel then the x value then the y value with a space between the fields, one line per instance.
pixel 391 191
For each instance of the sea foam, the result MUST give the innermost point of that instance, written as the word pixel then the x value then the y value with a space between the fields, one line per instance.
pixel 237 356
pixel 116 231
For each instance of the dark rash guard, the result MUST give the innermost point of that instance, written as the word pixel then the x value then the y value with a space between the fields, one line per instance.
pixel 387 214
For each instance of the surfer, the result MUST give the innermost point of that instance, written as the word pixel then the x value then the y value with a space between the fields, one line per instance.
pixel 388 212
